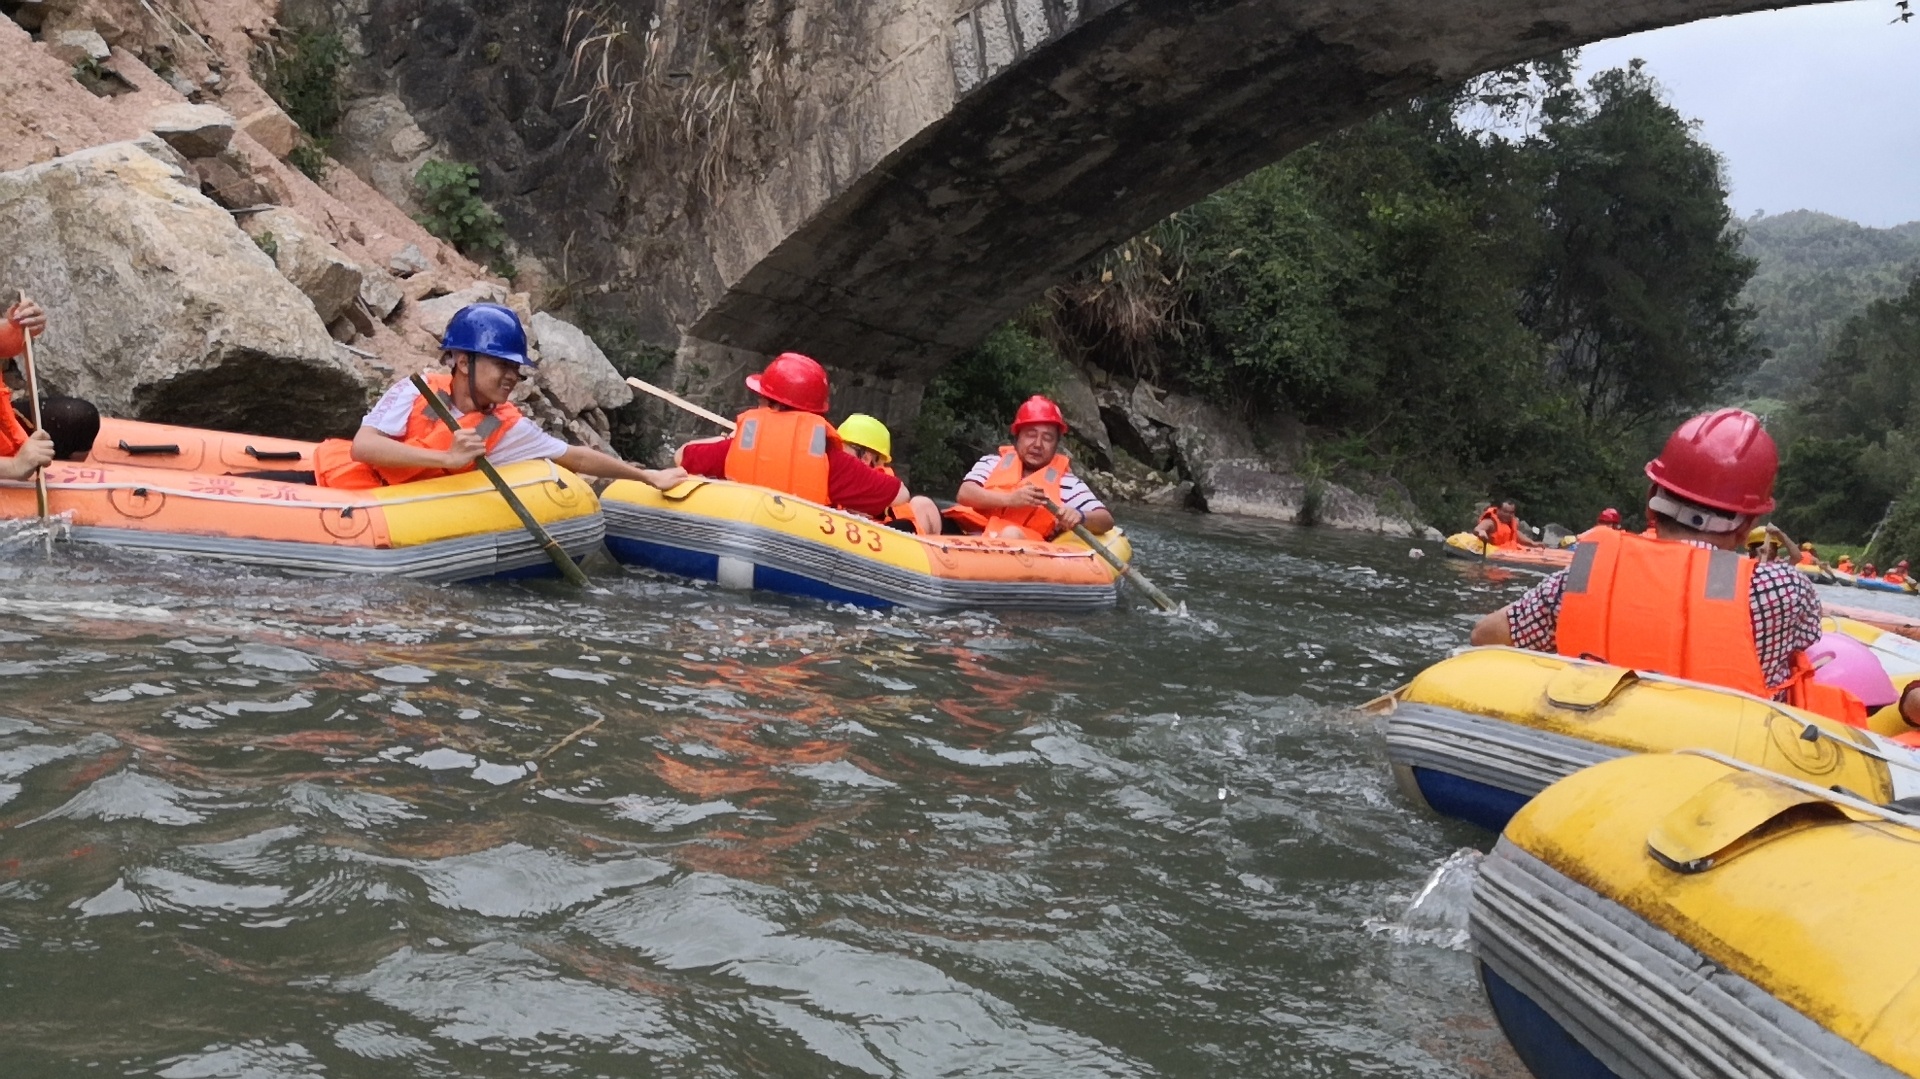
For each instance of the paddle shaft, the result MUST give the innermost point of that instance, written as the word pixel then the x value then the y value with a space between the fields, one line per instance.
pixel 1126 570
pixel 675 399
pixel 33 397
pixel 561 560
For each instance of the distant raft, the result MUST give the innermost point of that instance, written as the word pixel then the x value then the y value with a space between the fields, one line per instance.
pixel 750 537
pixel 1468 546
pixel 172 489
pixel 1687 915
pixel 1475 736
pixel 1821 574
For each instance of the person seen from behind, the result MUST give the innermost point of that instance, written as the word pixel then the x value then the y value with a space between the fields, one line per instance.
pixel 1684 602
pixel 1007 493
pixel 786 444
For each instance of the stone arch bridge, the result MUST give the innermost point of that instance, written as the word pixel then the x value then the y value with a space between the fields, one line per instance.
pixel 938 163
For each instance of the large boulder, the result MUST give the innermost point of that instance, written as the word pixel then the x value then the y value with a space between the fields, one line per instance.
pixel 194 130
pixel 328 278
pixel 574 370
pixel 159 307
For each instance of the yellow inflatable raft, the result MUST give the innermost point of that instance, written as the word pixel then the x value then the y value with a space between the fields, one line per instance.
pixel 749 537
pixel 1686 915
pixel 1475 736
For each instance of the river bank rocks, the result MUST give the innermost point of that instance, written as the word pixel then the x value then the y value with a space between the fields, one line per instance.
pixel 1167 448
pixel 191 274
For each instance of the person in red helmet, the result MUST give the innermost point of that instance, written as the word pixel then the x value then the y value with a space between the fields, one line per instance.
pixel 1007 493
pixel 1684 602
pixel 1608 521
pixel 785 443
pixel 1898 574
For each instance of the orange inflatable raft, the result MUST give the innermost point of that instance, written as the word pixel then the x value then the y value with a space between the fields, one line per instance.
pixel 175 490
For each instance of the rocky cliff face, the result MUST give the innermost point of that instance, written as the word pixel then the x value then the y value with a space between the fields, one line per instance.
pixel 190 274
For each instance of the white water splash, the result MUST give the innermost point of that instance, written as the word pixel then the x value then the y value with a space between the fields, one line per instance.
pixel 1437 917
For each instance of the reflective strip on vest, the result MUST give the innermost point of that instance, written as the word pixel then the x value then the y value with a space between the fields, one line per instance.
pixel 785 451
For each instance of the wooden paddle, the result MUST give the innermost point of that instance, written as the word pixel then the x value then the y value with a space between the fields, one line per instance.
pixel 561 560
pixel 675 399
pixel 33 398
pixel 1125 568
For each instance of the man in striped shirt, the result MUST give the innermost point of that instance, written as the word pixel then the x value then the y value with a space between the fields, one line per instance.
pixel 1016 490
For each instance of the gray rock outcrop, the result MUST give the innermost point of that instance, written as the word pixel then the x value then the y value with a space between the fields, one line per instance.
pixel 194 130
pixel 574 370
pixel 159 307
pixel 328 278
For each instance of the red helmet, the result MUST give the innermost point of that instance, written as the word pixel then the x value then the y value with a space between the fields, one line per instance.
pixel 794 380
pixel 1037 409
pixel 1724 460
pixel 1609 516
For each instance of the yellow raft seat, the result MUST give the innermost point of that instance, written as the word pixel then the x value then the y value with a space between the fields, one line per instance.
pixel 152 487
pixel 744 536
pixel 1690 915
pixel 1478 734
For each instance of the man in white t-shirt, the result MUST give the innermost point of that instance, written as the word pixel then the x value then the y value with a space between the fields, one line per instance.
pixel 1006 493
pixel 401 440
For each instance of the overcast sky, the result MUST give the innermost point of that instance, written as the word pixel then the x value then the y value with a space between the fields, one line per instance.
pixel 1814 108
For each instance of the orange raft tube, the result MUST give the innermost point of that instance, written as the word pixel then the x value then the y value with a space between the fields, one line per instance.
pixel 743 536
pixel 152 487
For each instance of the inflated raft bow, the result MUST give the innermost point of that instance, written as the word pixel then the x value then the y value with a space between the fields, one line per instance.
pixel 1689 915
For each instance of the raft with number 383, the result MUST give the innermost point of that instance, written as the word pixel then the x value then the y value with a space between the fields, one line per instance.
pixel 743 536
pixel 175 490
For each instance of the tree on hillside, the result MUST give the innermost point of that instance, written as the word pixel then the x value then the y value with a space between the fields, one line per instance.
pixel 1817 271
pixel 1638 290
pixel 1854 443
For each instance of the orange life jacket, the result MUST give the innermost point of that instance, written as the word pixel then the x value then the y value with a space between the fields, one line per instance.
pixel 783 450
pixel 1894 576
pixel 1680 610
pixel 1025 522
pixel 13 435
pixel 334 464
pixel 1504 533
pixel 1807 559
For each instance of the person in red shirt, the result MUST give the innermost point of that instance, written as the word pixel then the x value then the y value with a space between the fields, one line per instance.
pixel 785 443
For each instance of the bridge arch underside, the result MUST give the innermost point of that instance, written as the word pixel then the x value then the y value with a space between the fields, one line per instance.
pixel 1131 115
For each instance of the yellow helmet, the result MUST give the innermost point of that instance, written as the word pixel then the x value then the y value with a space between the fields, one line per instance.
pixel 863 430
pixel 1758 535
pixel 1806 546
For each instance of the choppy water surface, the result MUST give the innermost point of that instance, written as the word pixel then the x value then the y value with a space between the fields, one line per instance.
pixel 253 825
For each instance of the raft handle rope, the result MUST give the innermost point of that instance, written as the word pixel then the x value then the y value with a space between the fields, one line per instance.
pixel 157 449
pixel 270 455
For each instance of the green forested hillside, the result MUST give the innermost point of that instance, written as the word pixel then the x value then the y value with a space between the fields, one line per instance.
pixel 1815 272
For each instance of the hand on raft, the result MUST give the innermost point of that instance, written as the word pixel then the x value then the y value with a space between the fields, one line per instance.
pixel 35 455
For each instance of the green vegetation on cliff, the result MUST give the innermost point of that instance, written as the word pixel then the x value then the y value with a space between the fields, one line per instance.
pixel 1469 313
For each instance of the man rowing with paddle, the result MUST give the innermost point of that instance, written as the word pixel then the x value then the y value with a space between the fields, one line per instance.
pixel 785 443
pixel 1008 493
pixel 401 440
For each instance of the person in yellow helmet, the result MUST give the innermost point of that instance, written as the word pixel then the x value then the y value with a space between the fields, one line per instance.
pixel 1844 563
pixel 868 439
pixel 1809 555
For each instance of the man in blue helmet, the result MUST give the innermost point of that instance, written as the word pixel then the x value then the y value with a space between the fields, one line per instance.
pixel 401 440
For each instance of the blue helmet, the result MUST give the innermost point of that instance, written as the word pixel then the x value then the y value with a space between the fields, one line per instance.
pixel 489 329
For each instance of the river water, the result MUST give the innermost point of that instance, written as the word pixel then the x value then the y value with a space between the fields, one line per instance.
pixel 254 825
